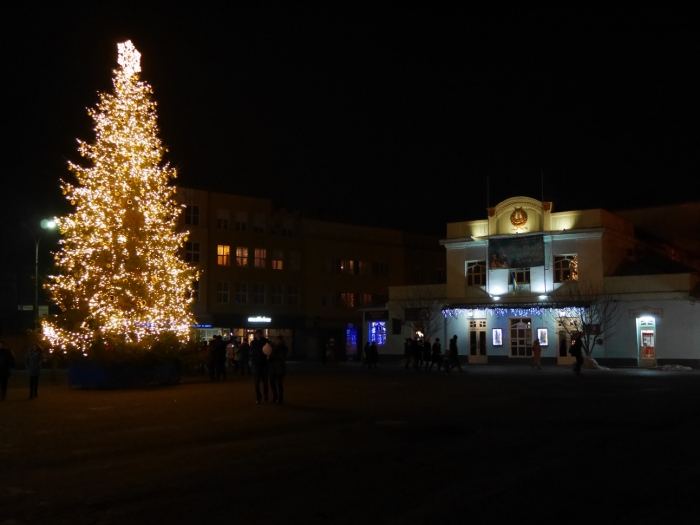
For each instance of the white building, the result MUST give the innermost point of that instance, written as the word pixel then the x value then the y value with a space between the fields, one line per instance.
pixel 527 272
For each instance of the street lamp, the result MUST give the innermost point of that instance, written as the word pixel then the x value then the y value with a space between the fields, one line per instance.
pixel 46 225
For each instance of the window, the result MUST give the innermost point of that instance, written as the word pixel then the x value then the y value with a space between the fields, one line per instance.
pixel 520 277
pixel 241 221
pixel 329 299
pixel 191 252
pixel 223 255
pixel 347 267
pixel 377 332
pixel 347 300
pixel 241 256
pixel 259 224
pixel 476 273
pixel 195 291
pixel 380 269
pixel 222 219
pixel 192 214
pixel 293 296
pixel 260 257
pixel 258 293
pixel 222 292
pixel 288 226
pixel 277 260
pixel 381 299
pixel 241 293
pixel 294 261
pixel 365 299
pixel 276 292
pixel 565 268
pixel 365 268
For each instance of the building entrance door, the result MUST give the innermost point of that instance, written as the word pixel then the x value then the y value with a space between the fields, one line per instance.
pixel 477 341
pixel 647 338
pixel 566 328
pixel 521 337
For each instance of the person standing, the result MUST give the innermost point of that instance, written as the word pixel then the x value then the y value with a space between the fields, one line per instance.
pixel 219 355
pixel 536 353
pixel 368 355
pixel 244 360
pixel 407 351
pixel 33 361
pixel 454 356
pixel 415 352
pixel 7 363
pixel 374 355
pixel 260 370
pixel 426 352
pixel 277 365
pixel 435 354
pixel 576 351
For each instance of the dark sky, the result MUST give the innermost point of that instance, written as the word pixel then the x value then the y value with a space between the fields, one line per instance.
pixel 373 115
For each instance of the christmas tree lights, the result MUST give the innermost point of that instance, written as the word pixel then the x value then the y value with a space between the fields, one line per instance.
pixel 120 274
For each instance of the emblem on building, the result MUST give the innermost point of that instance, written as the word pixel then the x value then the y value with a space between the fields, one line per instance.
pixel 518 217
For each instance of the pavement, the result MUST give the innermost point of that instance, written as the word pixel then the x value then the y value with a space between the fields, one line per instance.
pixel 492 445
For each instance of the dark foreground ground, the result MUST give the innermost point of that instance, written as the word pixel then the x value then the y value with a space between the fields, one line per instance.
pixel 493 445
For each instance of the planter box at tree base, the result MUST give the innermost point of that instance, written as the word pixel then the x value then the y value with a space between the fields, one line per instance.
pixel 122 375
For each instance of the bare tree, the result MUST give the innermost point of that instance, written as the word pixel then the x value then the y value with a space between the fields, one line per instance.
pixel 589 309
pixel 421 304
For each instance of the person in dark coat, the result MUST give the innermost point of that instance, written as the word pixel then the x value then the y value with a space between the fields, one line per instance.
pixel 374 355
pixel 7 363
pixel 244 349
pixel 259 362
pixel 453 357
pixel 435 354
pixel 33 361
pixel 576 351
pixel 415 352
pixel 407 351
pixel 218 347
pixel 277 366
pixel 368 355
pixel 426 352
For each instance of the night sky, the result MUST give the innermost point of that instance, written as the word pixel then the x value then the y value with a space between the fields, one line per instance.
pixel 369 115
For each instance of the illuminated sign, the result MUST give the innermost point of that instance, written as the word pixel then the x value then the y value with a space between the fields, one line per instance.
pixel 260 319
pixel 200 326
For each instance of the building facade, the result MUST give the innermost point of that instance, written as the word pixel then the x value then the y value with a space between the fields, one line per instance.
pixel 302 278
pixel 527 272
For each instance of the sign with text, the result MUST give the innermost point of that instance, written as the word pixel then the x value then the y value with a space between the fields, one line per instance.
pixel 377 315
pixel 516 252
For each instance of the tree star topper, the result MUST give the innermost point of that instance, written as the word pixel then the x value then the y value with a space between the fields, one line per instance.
pixel 129 58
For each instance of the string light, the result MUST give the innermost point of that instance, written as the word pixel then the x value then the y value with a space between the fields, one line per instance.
pixel 119 271
pixel 569 311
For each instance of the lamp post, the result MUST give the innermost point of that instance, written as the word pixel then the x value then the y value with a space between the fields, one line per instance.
pixel 46 225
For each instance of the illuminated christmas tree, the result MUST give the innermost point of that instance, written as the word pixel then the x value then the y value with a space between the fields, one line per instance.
pixel 120 275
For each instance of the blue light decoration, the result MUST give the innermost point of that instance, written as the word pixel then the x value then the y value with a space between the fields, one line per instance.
pixel 569 311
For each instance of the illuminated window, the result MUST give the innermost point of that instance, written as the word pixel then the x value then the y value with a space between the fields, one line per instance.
pixel 260 257
pixel 293 295
pixel 520 277
pixel 277 260
pixel 258 293
pixel 223 255
pixel 222 219
pixel 347 267
pixel 192 215
pixel 476 273
pixel 241 221
pixel 241 293
pixel 294 261
pixel 222 290
pixel 191 252
pixel 377 332
pixel 565 268
pixel 347 300
pixel 276 293
pixel 241 256
pixel 195 291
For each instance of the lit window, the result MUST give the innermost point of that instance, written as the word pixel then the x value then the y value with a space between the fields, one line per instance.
pixel 293 295
pixel 347 300
pixel 476 273
pixel 191 252
pixel 192 215
pixel 260 257
pixel 222 290
pixel 258 293
pixel 241 256
pixel 520 276
pixel 565 268
pixel 241 293
pixel 277 260
pixel 223 255
pixel 377 332
pixel 347 267
pixel 276 293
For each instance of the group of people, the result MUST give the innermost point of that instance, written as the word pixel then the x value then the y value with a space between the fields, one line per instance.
pixel 424 356
pixel 32 361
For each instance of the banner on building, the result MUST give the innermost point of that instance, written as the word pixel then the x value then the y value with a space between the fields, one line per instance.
pixel 377 315
pixel 516 251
